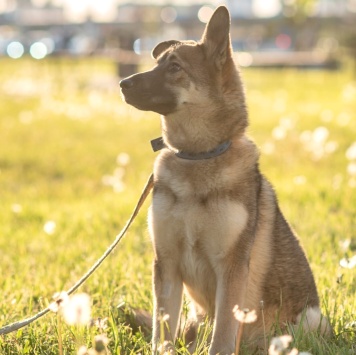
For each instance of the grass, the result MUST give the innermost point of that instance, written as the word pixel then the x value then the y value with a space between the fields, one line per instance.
pixel 63 131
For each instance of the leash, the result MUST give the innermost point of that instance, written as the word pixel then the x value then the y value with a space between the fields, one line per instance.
pixel 20 324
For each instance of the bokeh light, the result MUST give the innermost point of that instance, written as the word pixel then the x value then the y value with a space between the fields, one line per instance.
pixel 244 59
pixel 205 13
pixel 283 41
pixel 15 50
pixel 168 14
pixel 265 9
pixel 38 50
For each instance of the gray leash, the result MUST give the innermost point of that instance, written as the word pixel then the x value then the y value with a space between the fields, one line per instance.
pixel 20 324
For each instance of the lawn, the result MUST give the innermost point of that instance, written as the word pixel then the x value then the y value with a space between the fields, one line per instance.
pixel 74 159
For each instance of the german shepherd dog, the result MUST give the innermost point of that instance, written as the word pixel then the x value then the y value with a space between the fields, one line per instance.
pixel 215 224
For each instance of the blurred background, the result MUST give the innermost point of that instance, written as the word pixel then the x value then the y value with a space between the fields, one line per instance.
pixel 265 33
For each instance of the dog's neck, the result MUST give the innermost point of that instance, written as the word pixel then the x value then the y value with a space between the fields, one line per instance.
pixel 195 134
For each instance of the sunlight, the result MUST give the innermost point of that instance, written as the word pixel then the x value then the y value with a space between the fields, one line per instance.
pixel 266 8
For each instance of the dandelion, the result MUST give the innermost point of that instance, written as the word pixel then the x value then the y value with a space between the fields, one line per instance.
pixel 320 135
pixel 123 159
pixel 348 263
pixel 115 180
pixel 349 92
pixel 345 244
pixel 77 310
pixel 351 169
pixel 16 208
pixel 351 152
pixel 279 345
pixel 100 343
pixel 100 323
pixel 82 350
pixel 300 180
pixel 279 133
pixel 60 300
pixel 49 227
pixel 243 316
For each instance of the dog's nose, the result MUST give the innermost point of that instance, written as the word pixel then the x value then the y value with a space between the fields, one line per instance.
pixel 126 83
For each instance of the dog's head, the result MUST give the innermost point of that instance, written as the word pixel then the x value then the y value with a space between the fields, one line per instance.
pixel 186 72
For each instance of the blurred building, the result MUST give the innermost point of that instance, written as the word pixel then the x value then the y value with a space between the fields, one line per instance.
pixel 74 28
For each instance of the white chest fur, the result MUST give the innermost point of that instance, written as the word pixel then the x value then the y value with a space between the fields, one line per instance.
pixel 195 232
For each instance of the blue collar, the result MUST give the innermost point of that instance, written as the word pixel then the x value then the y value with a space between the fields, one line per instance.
pixel 158 144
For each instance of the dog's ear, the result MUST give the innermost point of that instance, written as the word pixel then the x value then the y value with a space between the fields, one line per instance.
pixel 161 47
pixel 216 37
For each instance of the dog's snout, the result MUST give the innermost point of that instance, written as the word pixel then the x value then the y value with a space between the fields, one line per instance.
pixel 126 83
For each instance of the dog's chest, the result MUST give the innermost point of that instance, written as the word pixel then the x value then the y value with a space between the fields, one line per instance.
pixel 195 220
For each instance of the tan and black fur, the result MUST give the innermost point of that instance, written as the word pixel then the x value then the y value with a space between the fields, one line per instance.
pixel 216 227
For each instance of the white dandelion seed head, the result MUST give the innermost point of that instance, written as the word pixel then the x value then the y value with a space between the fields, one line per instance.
pixel 244 315
pixel 345 244
pixel 320 135
pixel 279 344
pixel 351 152
pixel 279 133
pixel 100 323
pixel 60 300
pixel 165 317
pixel 16 208
pixel 49 227
pixel 348 263
pixel 300 180
pixel 351 169
pixel 83 350
pixel 77 310
pixel 123 159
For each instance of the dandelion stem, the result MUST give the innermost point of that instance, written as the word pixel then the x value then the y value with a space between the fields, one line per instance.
pixel 59 331
pixel 264 324
pixel 238 338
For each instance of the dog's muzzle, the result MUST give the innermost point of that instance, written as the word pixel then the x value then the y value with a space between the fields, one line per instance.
pixel 126 83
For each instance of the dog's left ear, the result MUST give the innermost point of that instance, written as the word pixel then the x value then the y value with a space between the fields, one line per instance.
pixel 216 37
pixel 163 46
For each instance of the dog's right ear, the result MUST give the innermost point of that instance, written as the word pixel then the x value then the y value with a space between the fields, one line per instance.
pixel 161 47
pixel 216 37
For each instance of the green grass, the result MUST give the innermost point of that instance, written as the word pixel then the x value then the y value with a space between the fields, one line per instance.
pixel 63 126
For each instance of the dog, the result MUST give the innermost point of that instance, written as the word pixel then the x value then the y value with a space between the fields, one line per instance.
pixel 215 224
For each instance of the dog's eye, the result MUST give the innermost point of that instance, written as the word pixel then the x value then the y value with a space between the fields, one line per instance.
pixel 174 67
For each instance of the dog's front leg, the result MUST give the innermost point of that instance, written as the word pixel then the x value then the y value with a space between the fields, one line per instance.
pixel 168 291
pixel 231 290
